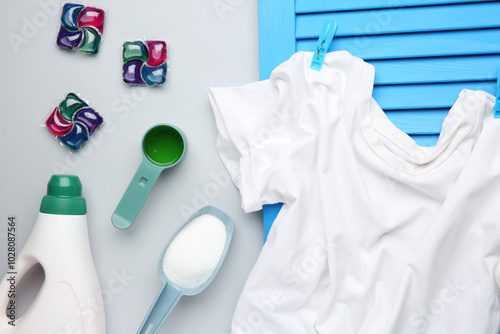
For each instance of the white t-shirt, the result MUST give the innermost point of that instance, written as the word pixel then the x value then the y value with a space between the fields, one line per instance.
pixel 377 235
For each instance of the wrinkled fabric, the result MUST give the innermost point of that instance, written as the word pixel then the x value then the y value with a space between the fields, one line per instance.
pixel 377 235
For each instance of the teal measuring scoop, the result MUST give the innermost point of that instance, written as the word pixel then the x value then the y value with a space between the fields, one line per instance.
pixel 163 146
pixel 170 293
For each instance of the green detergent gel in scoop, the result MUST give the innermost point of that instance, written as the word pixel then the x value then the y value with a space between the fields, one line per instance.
pixel 163 146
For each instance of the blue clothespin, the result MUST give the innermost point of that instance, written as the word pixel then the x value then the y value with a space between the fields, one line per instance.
pixel 497 104
pixel 324 41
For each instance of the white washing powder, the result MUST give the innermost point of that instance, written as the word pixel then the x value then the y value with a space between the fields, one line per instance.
pixel 194 253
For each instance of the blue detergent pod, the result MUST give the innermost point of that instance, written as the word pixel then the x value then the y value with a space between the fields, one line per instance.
pixel 75 138
pixel 69 17
pixel 154 76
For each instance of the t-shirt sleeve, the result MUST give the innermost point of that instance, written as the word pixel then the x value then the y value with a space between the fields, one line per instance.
pixel 268 130
pixel 252 133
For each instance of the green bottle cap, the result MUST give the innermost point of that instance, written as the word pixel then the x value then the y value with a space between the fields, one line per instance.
pixel 64 196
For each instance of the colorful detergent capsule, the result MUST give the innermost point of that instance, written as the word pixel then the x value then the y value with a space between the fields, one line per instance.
pixel 154 76
pixel 157 53
pixel 92 17
pixel 76 137
pixel 69 39
pixel 70 105
pixel 69 17
pixel 89 118
pixel 73 122
pixel 81 28
pixel 57 124
pixel 145 63
pixel 132 72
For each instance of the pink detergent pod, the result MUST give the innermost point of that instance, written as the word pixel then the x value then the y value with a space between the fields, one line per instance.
pixel 73 121
pixel 57 124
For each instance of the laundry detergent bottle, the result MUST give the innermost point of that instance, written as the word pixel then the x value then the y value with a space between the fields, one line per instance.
pixel 59 243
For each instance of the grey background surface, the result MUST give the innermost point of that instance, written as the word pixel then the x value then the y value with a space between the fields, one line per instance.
pixel 210 43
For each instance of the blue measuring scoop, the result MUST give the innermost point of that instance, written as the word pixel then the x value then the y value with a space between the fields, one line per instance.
pixel 170 293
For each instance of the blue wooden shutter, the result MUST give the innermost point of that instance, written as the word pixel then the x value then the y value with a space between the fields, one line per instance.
pixel 424 51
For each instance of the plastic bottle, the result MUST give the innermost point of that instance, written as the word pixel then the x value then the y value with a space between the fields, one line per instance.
pixel 59 242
